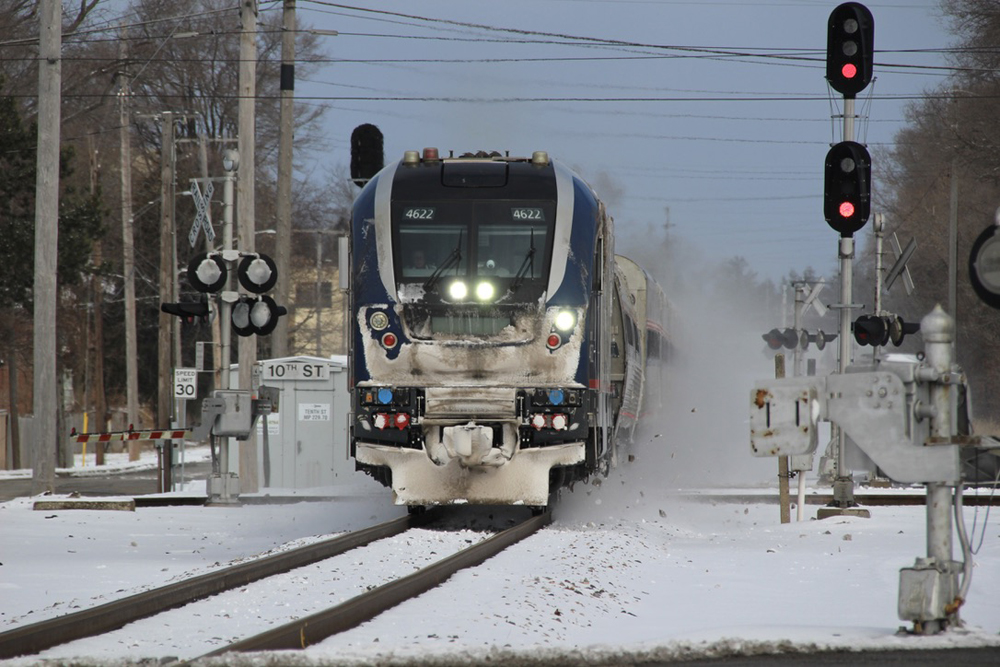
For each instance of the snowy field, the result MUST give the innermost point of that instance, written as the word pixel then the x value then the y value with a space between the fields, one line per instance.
pixel 629 568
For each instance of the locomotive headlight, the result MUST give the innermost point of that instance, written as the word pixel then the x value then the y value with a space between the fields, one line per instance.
pixel 565 320
pixel 458 290
pixel 485 291
pixel 379 320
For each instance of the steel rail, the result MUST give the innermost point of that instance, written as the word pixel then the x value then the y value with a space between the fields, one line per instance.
pixel 312 629
pixel 104 618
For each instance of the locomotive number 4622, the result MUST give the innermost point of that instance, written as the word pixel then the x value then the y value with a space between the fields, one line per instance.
pixel 422 213
pixel 527 214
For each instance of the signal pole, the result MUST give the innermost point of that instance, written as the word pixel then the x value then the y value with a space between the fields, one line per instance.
pixel 849 53
pixel 843 485
pixel 246 212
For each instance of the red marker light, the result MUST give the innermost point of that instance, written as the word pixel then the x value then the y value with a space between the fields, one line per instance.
pixel 554 341
pixel 846 209
pixel 402 420
pixel 389 341
pixel 849 71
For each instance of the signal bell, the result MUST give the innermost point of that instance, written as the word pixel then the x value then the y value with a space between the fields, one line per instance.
pixel 847 187
pixel 849 48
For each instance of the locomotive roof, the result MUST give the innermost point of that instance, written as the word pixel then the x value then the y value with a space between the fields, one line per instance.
pixel 478 177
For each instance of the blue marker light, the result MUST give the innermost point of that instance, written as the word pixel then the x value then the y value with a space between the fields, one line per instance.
pixel 556 396
pixel 385 396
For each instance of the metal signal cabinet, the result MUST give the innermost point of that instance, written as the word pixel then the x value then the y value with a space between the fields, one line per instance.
pixel 307 443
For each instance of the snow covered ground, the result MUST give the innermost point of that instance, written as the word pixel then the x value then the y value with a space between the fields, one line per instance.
pixel 627 567
pixel 634 568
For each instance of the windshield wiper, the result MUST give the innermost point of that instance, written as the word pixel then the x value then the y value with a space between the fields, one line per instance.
pixel 529 261
pixel 453 258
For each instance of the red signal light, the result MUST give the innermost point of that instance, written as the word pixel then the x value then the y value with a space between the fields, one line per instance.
pixel 389 341
pixel 554 341
pixel 849 71
pixel 846 209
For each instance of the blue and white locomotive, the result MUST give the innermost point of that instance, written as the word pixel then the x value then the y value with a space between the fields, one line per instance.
pixel 498 351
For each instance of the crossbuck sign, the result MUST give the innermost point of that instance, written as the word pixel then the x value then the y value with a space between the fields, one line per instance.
pixel 202 218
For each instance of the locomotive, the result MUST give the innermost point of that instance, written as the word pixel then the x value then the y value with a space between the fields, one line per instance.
pixel 499 349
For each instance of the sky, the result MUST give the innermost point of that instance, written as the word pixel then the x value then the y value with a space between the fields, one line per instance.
pixel 638 567
pixel 727 149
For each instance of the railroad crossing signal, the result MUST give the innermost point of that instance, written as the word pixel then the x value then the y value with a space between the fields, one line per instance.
pixel 871 330
pixel 256 272
pixel 790 338
pixel 879 330
pixel 849 48
pixel 202 219
pixel 821 339
pixel 847 187
pixel 207 272
pixel 776 339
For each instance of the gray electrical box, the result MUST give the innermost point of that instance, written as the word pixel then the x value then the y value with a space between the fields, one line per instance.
pixel 307 445
pixel 237 419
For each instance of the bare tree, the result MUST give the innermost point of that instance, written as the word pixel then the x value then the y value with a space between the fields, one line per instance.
pixel 953 133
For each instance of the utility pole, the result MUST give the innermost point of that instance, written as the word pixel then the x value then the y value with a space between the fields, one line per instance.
pixel 167 270
pixel 128 242
pixel 245 211
pixel 45 404
pixel 95 348
pixel 283 237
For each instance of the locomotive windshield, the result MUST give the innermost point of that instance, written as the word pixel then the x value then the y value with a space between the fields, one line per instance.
pixel 504 240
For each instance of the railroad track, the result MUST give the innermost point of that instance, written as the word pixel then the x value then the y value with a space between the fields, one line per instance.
pixel 314 628
pixel 31 639
pixel 299 633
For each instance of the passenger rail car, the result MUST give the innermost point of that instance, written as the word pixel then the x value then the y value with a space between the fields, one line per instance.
pixel 498 346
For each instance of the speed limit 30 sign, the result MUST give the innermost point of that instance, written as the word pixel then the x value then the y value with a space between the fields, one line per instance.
pixel 185 383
